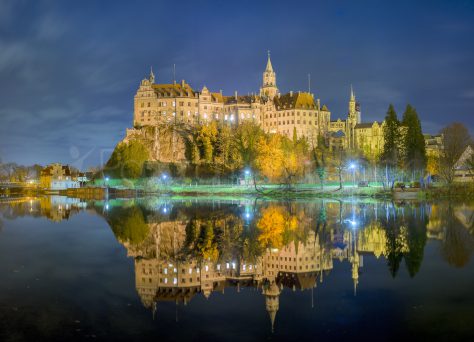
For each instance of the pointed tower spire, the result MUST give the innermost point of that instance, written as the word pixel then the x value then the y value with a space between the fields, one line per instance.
pixel 352 94
pixel 269 63
pixel 269 88
pixel 152 75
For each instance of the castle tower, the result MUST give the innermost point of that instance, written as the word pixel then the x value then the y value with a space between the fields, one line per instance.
pixel 353 118
pixel 272 301
pixel 152 76
pixel 269 87
pixel 354 109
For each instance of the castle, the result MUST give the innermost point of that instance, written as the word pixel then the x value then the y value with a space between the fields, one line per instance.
pixel 157 104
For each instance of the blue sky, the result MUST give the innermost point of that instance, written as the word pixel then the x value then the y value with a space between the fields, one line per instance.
pixel 69 70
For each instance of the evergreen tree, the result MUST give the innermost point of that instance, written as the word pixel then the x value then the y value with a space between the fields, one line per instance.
pixel 414 157
pixel 391 149
pixel 390 154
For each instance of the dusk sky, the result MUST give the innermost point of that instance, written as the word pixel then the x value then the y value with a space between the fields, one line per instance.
pixel 69 69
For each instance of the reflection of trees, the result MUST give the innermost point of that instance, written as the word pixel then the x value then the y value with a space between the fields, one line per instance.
pixel 392 226
pixel 457 245
pixel 416 239
pixel 406 237
pixel 280 225
pixel 272 226
pixel 128 224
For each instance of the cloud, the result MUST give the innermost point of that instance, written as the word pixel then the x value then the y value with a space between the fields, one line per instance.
pixel 468 94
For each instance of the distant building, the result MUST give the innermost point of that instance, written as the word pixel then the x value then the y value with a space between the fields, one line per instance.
pixel 462 172
pixel 57 177
pixel 433 144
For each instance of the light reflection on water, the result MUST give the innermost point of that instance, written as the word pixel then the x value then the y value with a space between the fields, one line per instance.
pixel 344 253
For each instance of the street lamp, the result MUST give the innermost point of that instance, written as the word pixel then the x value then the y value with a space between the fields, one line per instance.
pixel 352 166
pixel 247 174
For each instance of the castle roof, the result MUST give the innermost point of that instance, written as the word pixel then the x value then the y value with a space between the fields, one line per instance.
pixel 364 125
pixel 173 90
pixel 300 100
pixel 246 99
pixel 217 97
pixel 302 281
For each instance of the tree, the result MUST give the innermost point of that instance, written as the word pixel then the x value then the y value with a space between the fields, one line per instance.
pixel 247 139
pixel 228 156
pixel 414 158
pixel 207 136
pixel 391 149
pixel 340 164
pixel 127 160
pixel 455 140
pixel 270 158
pixel 319 160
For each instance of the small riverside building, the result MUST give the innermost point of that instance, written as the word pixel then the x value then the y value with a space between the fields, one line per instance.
pixel 57 177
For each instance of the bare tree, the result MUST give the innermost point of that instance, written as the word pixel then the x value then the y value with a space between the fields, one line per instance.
pixel 455 140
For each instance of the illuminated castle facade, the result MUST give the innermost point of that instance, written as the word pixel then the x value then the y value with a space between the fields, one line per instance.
pixel 157 104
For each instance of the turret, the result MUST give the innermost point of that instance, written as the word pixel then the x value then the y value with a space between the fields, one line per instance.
pixel 269 87
pixel 152 76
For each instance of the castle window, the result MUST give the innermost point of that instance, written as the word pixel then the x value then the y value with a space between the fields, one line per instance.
pixel 148 104
pixel 174 104
pixel 181 103
pixel 142 105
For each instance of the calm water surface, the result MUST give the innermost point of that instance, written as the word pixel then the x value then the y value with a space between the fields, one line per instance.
pixel 243 269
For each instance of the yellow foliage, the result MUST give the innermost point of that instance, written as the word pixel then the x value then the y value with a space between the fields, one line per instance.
pixel 270 157
pixel 271 226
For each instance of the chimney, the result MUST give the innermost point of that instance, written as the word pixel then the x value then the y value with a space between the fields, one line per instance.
pixel 182 83
pixel 291 93
pixel 235 95
pixel 220 91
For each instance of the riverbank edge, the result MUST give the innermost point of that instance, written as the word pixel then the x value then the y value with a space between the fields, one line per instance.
pixel 457 191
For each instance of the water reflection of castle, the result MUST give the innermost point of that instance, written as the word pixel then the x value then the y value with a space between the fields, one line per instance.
pixel 183 249
pixel 161 275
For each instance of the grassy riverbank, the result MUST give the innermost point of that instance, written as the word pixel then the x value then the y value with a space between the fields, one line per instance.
pixel 300 191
